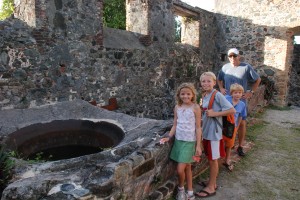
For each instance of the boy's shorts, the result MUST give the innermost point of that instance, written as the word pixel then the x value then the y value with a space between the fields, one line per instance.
pixel 229 142
pixel 214 149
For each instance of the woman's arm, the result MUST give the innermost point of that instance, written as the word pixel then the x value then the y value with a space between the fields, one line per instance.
pixel 221 86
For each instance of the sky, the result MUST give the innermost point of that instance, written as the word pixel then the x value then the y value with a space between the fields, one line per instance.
pixel 297 39
pixel 204 4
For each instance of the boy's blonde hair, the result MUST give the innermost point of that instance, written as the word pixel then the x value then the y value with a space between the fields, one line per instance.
pixel 236 87
pixel 211 74
pixel 189 86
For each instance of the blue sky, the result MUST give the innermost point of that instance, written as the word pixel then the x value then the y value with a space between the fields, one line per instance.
pixel 205 4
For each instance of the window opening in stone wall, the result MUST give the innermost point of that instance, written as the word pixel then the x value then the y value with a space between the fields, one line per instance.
pixel 187 26
pixel 297 39
pixel 114 14
pixel 178 28
pixel 6 8
pixel 223 57
pixel 294 73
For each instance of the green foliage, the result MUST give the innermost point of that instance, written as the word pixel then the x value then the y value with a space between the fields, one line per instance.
pixel 7 9
pixel 253 130
pixel 190 70
pixel 188 20
pixel 177 29
pixel 6 165
pixel 273 107
pixel 39 158
pixel 114 14
pixel 199 96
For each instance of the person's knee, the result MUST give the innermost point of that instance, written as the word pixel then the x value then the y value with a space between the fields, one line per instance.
pixel 242 126
pixel 180 168
pixel 188 167
pixel 213 162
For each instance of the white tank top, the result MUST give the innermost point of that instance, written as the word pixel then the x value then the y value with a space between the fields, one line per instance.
pixel 186 128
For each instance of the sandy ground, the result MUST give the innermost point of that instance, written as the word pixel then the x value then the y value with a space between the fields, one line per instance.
pixel 270 170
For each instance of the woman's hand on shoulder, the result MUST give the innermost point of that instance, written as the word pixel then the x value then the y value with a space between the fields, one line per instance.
pixel 223 91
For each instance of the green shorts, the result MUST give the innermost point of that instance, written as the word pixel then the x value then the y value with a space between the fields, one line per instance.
pixel 183 151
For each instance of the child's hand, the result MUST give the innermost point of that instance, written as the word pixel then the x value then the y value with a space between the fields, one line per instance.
pixel 210 113
pixel 196 158
pixel 163 140
pixel 198 151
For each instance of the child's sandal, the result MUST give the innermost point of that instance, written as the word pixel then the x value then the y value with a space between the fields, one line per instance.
pixel 203 184
pixel 229 167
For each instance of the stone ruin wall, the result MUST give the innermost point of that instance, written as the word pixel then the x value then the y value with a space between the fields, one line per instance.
pixel 61 56
pixel 294 82
pixel 56 51
pixel 262 30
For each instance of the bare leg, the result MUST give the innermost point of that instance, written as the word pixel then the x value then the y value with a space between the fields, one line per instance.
pixel 227 157
pixel 242 133
pixel 212 182
pixel 189 177
pixel 181 173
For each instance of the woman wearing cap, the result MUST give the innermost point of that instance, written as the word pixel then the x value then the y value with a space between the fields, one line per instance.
pixel 238 72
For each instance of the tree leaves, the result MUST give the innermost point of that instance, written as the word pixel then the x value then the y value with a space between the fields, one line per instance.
pixel 114 14
pixel 7 9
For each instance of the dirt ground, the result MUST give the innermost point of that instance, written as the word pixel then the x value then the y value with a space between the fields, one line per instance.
pixel 271 168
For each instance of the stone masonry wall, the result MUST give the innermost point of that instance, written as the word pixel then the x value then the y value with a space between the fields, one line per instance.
pixel 294 82
pixel 47 63
pixel 262 30
pixel 61 56
pixel 137 16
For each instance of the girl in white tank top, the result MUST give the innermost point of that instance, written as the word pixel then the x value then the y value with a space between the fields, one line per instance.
pixel 187 130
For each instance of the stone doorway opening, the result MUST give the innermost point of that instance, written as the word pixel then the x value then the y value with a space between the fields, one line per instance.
pixel 64 139
pixel 293 98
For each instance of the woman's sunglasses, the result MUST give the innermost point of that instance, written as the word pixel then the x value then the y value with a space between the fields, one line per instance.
pixel 232 56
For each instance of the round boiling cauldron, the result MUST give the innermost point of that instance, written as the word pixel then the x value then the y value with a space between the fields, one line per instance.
pixel 63 139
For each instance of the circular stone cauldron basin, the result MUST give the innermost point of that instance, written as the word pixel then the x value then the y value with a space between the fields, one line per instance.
pixel 63 139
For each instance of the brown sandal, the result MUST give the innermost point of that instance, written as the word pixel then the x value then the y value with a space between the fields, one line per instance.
pixel 229 167
pixel 203 184
pixel 207 194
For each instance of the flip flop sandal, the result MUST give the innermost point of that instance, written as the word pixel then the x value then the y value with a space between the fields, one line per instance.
pixel 229 167
pixel 205 192
pixel 203 183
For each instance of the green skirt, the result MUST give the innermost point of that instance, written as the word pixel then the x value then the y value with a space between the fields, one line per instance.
pixel 183 151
